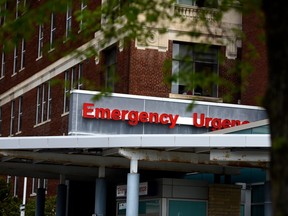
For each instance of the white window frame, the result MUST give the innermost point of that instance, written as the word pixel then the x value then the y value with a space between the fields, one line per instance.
pixel 17 9
pixel 43 100
pixel 52 30
pixel 66 91
pixel 80 74
pixel 176 60
pixel 12 117
pixel 15 59
pixel 38 104
pixel 20 114
pixel 40 41
pixel 2 64
pixel 68 21
pixel 49 101
pixel 43 103
pixel 34 187
pixel 73 80
pixel 3 19
pixel 82 8
pixel 22 59
pixel 15 190
pixel 8 179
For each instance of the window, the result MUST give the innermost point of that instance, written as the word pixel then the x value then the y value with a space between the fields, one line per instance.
pixel 17 9
pixel 52 31
pixel 73 80
pixel 110 67
pixel 34 187
pixel 16 182
pixel 43 107
pixel 80 72
pixel 12 118
pixel 68 21
pixel 195 62
pixel 3 9
pixel 2 72
pixel 82 8
pixel 15 60
pixel 186 207
pixel 22 59
pixel 20 114
pixel 8 180
pixel 40 40
pixel 199 3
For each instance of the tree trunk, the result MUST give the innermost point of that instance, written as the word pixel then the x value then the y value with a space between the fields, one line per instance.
pixel 276 100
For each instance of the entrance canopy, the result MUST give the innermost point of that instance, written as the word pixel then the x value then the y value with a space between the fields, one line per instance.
pixel 81 156
pixel 161 134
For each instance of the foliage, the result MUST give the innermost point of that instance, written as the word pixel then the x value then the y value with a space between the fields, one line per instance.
pixel 50 206
pixel 9 205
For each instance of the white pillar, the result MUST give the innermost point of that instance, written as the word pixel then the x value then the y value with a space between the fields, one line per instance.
pixel 132 189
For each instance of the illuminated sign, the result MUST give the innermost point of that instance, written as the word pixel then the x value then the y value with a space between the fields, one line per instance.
pixel 134 117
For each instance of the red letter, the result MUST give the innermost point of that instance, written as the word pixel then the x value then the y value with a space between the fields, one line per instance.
pixel 245 122
pixel 216 123
pixel 153 117
pixel 195 123
pixel 133 117
pixel 124 112
pixel 115 115
pixel 173 120
pixel 207 122
pixel 143 117
pixel 235 123
pixel 87 112
pixel 226 123
pixel 164 118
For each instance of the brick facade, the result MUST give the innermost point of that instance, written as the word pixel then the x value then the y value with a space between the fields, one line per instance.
pixel 224 200
pixel 140 72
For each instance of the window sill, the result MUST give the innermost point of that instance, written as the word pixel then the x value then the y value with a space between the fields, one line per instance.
pixel 67 39
pixel 65 114
pixel 19 132
pixel 33 194
pixel 40 57
pixel 22 69
pixel 194 97
pixel 51 50
pixel 41 123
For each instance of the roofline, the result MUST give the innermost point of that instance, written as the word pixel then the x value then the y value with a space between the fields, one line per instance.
pixel 138 141
pixel 241 127
pixel 169 99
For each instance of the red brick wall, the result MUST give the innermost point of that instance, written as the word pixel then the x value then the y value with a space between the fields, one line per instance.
pixel 146 72
pixel 257 81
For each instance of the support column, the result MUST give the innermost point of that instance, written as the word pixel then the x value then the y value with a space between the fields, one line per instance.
pixel 61 197
pixel 133 189
pixel 40 202
pixel 267 201
pixel 100 193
